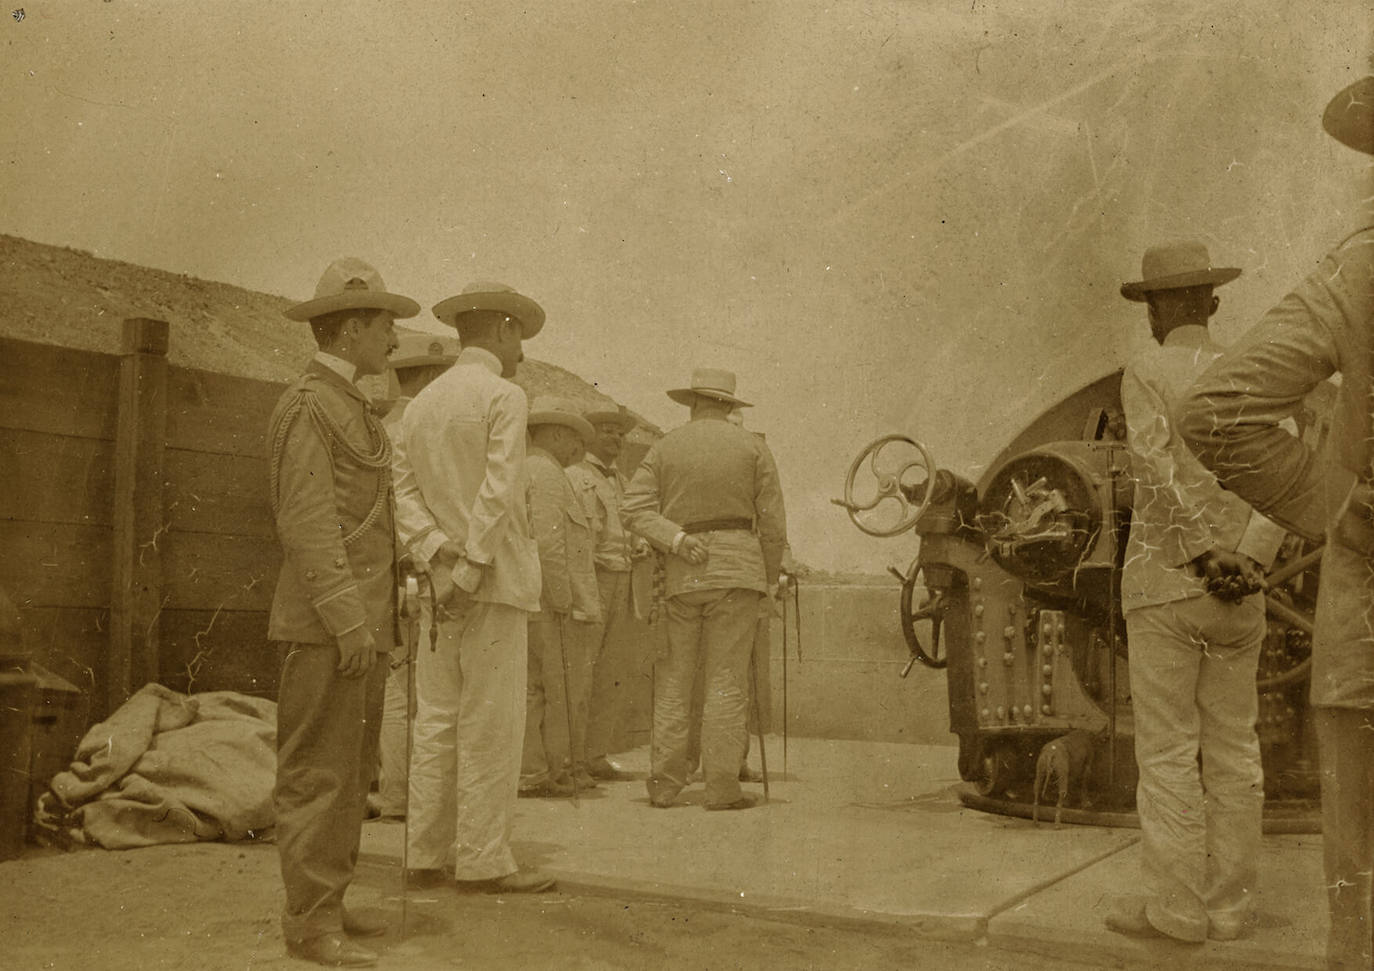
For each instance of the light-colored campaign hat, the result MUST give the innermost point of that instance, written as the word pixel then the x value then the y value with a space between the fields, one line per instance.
pixel 1349 117
pixel 493 296
pixel 548 410
pixel 1173 265
pixel 604 416
pixel 709 382
pixel 351 284
pixel 420 350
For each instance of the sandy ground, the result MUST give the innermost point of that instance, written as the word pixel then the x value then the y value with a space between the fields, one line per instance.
pixel 215 906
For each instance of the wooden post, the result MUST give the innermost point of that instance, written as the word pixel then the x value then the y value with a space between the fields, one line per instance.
pixel 136 594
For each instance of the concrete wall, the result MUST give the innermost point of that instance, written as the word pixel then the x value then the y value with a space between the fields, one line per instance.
pixel 847 683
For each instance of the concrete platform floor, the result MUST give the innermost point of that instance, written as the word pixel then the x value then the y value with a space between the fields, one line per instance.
pixel 873 832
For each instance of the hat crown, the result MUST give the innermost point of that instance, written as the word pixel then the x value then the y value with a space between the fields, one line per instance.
pixel 348 273
pixel 1349 116
pixel 1174 259
pixel 487 286
pixel 552 403
pixel 713 379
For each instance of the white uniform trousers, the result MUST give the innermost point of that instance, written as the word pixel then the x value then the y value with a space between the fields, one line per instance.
pixel 1193 665
pixel 469 725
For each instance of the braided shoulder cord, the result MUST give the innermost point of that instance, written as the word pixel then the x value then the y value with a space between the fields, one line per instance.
pixel 379 460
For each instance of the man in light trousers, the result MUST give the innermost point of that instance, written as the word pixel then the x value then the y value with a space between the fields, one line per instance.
pixel 1194 625
pixel 460 511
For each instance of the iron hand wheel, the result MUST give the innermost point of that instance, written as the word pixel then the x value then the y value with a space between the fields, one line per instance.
pixel 912 494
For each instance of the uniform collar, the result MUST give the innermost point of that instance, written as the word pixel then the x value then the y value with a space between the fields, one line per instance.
pixel 326 373
pixel 597 464
pixel 480 356
pixel 344 369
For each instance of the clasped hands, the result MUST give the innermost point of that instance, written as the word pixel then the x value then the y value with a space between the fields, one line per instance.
pixel 1230 577
pixel 449 598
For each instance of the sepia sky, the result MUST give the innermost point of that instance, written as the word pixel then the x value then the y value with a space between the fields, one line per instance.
pixel 886 216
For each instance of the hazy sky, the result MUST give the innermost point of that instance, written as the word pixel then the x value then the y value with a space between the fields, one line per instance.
pixel 884 216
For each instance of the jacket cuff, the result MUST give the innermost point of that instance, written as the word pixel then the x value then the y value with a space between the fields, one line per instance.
pixel 341 611
pixel 427 545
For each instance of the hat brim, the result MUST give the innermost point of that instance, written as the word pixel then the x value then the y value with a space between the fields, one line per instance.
pixel 1349 116
pixel 685 396
pixel 420 360
pixel 616 418
pixel 522 308
pixel 576 422
pixel 1216 276
pixel 394 304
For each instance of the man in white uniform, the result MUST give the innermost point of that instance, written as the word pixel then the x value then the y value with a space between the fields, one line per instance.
pixel 460 512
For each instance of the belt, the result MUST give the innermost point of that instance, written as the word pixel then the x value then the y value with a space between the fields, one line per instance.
pixel 711 525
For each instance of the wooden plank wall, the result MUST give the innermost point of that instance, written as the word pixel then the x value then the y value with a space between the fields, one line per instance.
pixel 59 415
pixel 219 553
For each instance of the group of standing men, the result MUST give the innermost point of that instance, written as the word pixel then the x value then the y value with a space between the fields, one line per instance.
pixel 523 562
pixel 1207 430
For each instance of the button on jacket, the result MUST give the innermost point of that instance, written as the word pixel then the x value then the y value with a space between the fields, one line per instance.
pixel 563 533
pixel 459 469
pixel 709 469
pixel 603 493
pixel 333 513
pixel 1180 511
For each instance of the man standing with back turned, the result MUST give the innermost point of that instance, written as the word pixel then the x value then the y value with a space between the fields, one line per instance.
pixel 1231 418
pixel 1195 623
pixel 461 513
pixel 707 493
pixel 335 605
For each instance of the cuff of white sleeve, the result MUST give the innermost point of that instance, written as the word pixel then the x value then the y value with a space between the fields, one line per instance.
pixel 677 540
pixel 467 576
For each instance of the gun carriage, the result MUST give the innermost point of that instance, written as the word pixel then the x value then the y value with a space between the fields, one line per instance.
pixel 1014 593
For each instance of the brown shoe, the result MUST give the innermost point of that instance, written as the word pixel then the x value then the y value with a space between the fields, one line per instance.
pixel 361 925
pixel 607 771
pixel 332 950
pixel 743 802
pixel 427 879
pixel 521 881
pixel 551 789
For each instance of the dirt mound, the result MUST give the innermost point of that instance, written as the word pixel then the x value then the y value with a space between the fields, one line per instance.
pixel 56 295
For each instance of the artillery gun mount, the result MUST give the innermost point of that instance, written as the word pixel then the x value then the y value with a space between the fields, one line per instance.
pixel 1015 594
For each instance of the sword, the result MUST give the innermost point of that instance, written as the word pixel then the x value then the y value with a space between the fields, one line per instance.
pixel 567 708
pixel 783 604
pixel 411 606
pixel 758 723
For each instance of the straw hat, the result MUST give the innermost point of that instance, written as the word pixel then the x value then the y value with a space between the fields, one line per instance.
pixel 710 383
pixel 351 284
pixel 1173 265
pixel 1349 117
pixel 419 350
pixel 620 417
pixel 548 410
pixel 493 296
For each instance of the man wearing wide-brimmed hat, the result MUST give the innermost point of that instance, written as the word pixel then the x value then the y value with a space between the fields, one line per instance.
pixel 334 608
pixel 707 494
pixel 417 360
pixel 1195 624
pixel 613 656
pixel 460 512
pixel 560 633
pixel 1232 419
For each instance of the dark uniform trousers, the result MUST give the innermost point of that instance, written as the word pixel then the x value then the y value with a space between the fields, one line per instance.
pixel 330 486
pixel 327 731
